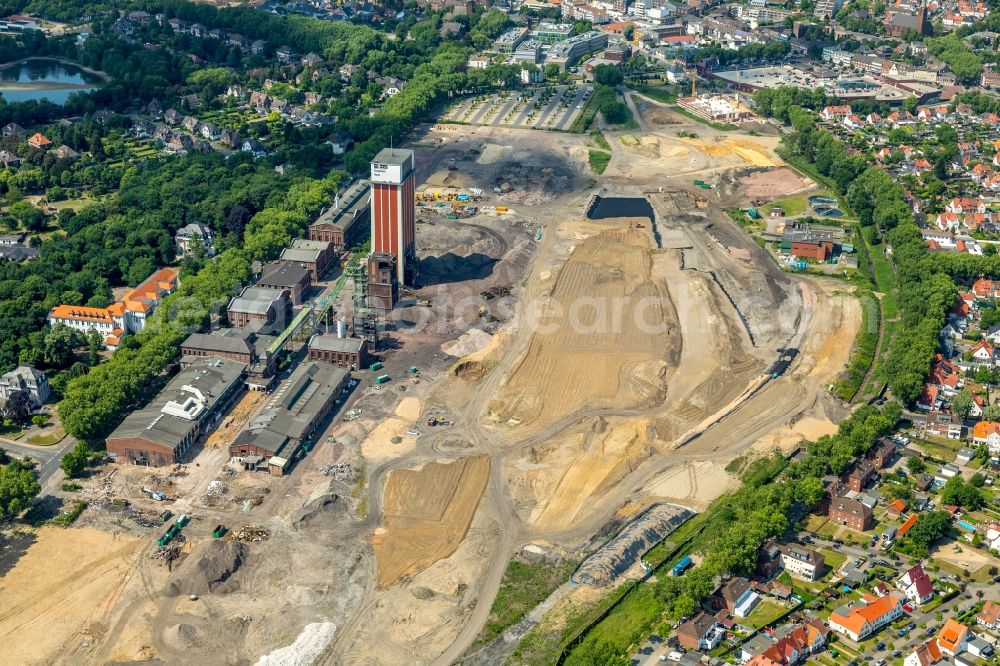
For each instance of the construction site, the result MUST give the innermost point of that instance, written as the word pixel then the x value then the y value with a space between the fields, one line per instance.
pixel 549 373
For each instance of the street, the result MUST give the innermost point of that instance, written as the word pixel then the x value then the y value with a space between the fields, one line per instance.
pixel 47 457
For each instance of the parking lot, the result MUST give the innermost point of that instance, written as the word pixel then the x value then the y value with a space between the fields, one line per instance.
pixel 543 107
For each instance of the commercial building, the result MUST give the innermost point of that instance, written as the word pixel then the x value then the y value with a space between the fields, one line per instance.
pixel 293 416
pixel 242 345
pixel 260 308
pixel 316 255
pixel 529 51
pixel 345 223
pixel 129 315
pixel 166 430
pixel 29 380
pixel 344 352
pixel 288 276
pixel 568 52
pixel 550 33
pixel 510 40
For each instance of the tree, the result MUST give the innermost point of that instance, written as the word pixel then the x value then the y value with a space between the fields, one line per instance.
pixel 956 491
pixel 628 32
pixel 910 104
pixel 60 344
pixel 75 462
pixel 18 406
pixel 18 486
pixel 929 528
pixel 608 75
pixel 991 413
pixel 916 465
pixel 962 403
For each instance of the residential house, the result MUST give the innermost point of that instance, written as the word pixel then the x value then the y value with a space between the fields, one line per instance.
pixel 941 424
pixel 924 654
pixel 851 513
pixel 988 433
pixel 13 129
pixel 701 632
pixel 804 563
pixel 916 585
pixel 172 117
pixel 896 508
pixel 29 380
pixel 859 477
pixel 737 596
pixel 64 152
pixel 210 131
pixel 953 637
pixel 9 159
pixel 186 234
pixel 40 141
pixel 793 647
pixel 984 352
pixel 860 621
pixel 907 525
pixel 285 55
pixel 986 288
pixel 989 617
pixel 391 86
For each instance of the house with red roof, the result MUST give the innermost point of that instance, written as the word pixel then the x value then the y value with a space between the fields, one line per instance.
pixel 916 585
pixel 906 526
pixel 925 654
pixel 929 399
pixel 986 288
pixel 863 619
pixel 984 352
pixel 831 113
pixel 953 637
pixel 989 617
pixel 964 205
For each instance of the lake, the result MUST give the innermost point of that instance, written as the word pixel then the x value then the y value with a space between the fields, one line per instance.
pixel 40 78
pixel 605 207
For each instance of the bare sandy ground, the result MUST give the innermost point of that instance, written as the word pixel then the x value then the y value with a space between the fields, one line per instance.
pixel 67 582
pixel 426 514
pixel 594 354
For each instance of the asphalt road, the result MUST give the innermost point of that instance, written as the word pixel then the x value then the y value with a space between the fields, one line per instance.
pixel 47 457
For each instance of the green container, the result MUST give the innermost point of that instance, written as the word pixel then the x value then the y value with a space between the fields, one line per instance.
pixel 382 379
pixel 377 365
pixel 219 531
pixel 182 521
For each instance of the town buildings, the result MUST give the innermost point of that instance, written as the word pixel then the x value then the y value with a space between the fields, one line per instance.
pixel 851 513
pixel 28 380
pixel 870 614
pixel 343 352
pixel 128 315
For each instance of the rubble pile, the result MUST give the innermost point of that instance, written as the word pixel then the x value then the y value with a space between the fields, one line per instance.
pixel 250 534
pixel 339 471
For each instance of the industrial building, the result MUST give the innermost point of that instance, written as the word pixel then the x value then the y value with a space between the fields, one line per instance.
pixel 166 430
pixel 345 223
pixel 393 225
pixel 293 416
pixel 260 308
pixel 288 276
pixel 344 352
pixel 316 255
pixel 242 345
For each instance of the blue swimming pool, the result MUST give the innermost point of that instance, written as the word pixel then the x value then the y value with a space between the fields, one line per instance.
pixel 968 527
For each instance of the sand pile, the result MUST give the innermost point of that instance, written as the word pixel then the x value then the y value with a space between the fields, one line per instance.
pixel 467 343
pixel 209 568
pixel 305 650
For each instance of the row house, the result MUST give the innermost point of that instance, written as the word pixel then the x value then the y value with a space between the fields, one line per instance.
pixel 986 288
pixel 836 113
pixel 860 621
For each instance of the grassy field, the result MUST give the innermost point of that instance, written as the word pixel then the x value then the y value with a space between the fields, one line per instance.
pixel 47 438
pixel 764 614
pixel 942 449
pixel 598 160
pixel 833 559
pixel 626 624
pixel 664 94
pixel 599 139
pixel 523 587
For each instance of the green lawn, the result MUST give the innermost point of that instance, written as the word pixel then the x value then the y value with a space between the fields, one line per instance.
pixel 599 139
pixel 765 613
pixel 659 93
pixel 523 587
pixel 47 438
pixel 793 205
pixel 942 449
pixel 598 160
pixel 626 624
pixel 833 559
